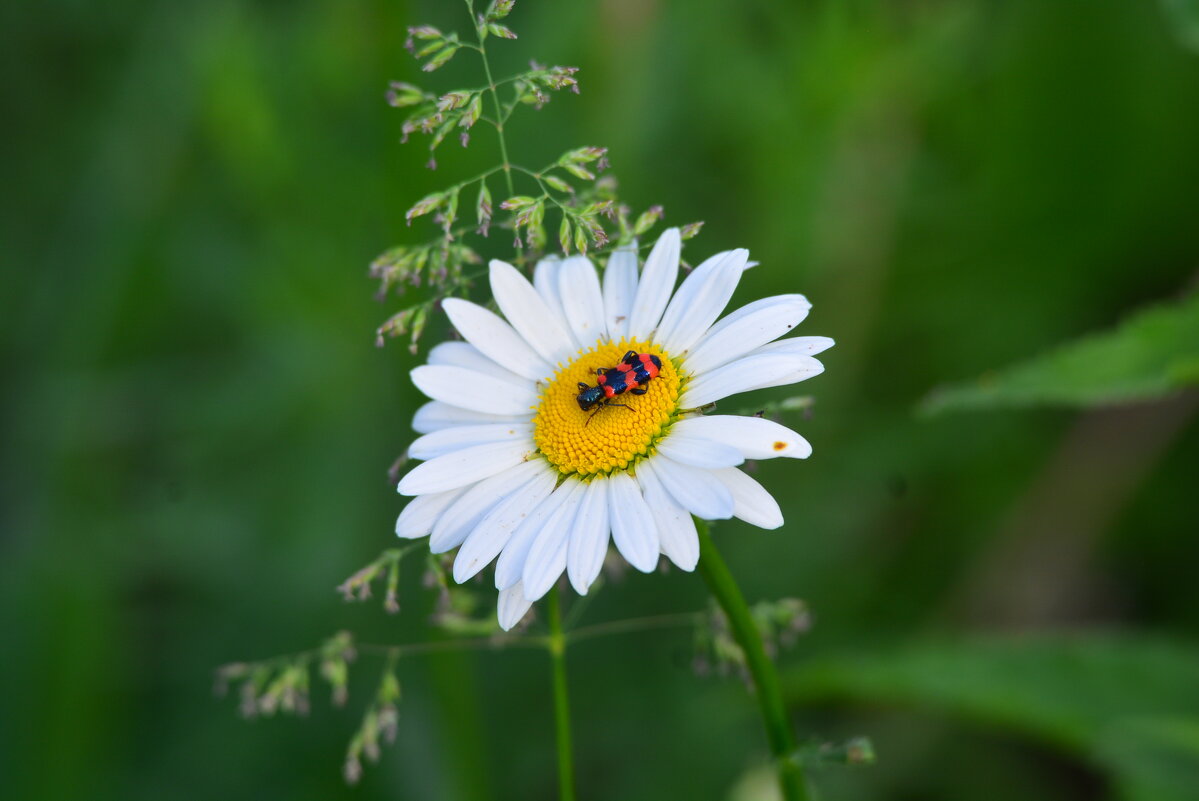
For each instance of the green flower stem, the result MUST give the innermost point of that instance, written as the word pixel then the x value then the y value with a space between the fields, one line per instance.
pixel 774 715
pixel 557 646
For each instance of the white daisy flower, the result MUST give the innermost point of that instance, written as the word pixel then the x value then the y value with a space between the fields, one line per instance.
pixel 514 466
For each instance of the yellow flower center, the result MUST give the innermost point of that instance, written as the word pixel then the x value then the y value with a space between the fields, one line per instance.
pixel 606 438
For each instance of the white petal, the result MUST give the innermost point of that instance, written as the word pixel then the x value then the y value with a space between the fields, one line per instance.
pixel 745 329
pixel 699 451
pixel 492 533
pixel 529 314
pixel 435 415
pixel 464 514
pixel 700 300
pixel 695 489
pixel 798 346
pixel 752 503
pixel 620 287
pixel 545 281
pixel 588 537
pixel 419 516
pixel 656 284
pixel 478 392
pixel 753 372
pixel 803 368
pixel 633 529
pixel 456 438
pixel 511 564
pixel 495 339
pixel 466 466
pixel 512 606
pixel 755 437
pixel 547 555
pixel 676 528
pixel 582 300
pixel 464 354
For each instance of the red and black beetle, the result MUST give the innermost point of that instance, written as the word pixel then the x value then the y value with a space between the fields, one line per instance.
pixel 632 374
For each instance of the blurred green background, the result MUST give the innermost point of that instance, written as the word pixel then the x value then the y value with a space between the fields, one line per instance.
pixel 197 427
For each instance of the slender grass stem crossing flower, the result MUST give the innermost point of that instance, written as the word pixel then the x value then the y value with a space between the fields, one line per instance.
pixel 577 418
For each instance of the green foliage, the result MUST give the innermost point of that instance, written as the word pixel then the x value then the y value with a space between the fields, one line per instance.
pixel 1184 18
pixel 1154 758
pixel 1153 353
pixel 1127 704
pixel 193 432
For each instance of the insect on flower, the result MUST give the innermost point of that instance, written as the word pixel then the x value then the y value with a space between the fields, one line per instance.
pixel 632 374
pixel 514 473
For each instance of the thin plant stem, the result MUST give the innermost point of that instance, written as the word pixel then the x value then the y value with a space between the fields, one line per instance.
pixel 499 126
pixel 770 699
pixel 500 643
pixel 634 624
pixel 499 111
pixel 557 648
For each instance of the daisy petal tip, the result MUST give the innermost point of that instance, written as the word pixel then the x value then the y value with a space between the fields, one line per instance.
pixel 647 565
pixel 465 570
pixel 818 344
pixel 512 606
pixel 686 560
pixel 771 522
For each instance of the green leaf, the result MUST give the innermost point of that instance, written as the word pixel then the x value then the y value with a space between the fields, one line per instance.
pixel 1157 759
pixel 1152 354
pixel 1127 704
pixel 1183 16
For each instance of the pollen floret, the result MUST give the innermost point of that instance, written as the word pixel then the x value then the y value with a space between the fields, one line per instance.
pixel 608 438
